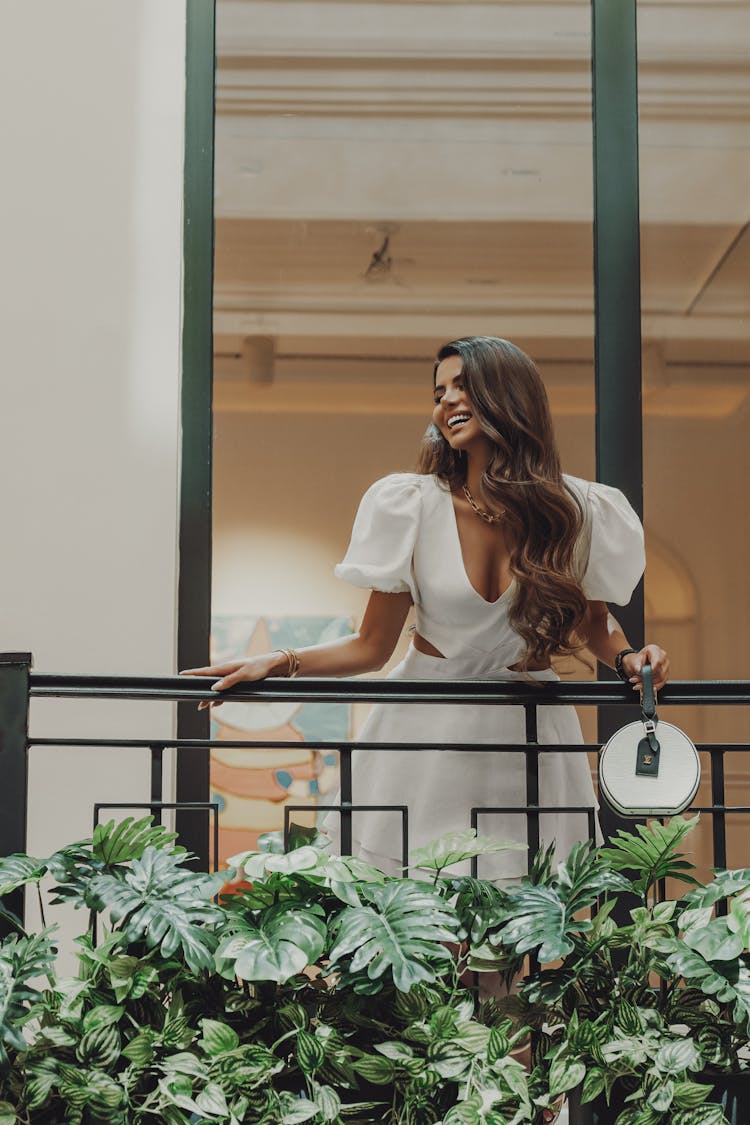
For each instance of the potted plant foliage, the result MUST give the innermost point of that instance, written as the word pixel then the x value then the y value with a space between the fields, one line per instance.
pixel 645 1023
pixel 324 992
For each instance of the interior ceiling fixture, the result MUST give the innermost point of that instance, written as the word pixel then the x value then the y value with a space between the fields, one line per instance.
pixel 381 264
pixel 381 261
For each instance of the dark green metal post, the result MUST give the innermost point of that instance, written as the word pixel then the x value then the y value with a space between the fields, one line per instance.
pixel 617 287
pixel 14 734
pixel 194 589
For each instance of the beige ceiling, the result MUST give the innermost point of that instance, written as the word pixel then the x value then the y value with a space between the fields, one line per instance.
pixel 461 132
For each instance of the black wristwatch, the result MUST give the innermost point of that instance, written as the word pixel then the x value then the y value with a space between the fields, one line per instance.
pixel 618 664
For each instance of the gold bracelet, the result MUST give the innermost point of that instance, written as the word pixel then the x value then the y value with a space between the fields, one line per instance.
pixel 292 660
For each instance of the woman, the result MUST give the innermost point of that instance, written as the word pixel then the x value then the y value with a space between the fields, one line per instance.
pixel 508 563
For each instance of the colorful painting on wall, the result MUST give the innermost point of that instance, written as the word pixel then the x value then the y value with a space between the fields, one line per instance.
pixel 253 786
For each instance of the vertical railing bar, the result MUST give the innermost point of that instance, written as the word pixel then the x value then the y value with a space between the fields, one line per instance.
pixel 287 815
pixel 405 840
pixel 14 744
pixel 532 784
pixel 661 884
pixel 719 818
pixel 475 859
pixel 345 764
pixel 215 811
pixel 157 780
pixel 591 824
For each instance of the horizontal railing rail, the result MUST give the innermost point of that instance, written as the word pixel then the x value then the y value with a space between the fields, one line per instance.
pixel 517 693
pixel 327 690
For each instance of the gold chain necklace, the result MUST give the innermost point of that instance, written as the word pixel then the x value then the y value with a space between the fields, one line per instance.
pixel 483 515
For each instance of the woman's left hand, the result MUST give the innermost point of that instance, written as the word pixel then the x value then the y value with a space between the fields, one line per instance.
pixel 656 657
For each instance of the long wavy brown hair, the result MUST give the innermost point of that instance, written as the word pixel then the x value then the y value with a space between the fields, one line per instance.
pixel 542 519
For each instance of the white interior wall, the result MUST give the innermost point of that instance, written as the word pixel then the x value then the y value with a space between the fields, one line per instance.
pixel 91 113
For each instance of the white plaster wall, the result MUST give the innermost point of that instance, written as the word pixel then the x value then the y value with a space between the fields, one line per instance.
pixel 91 115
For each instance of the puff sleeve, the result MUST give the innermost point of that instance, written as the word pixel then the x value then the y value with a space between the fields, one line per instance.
pixel 616 556
pixel 385 530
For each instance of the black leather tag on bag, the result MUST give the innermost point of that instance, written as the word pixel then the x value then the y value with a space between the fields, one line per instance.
pixel 647 761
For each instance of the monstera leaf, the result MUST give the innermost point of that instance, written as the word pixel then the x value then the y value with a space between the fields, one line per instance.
pixel 726 980
pixel 22 960
pixel 287 938
pixel 19 870
pixel 164 903
pixel 400 932
pixel 543 918
pixel 120 842
pixel 651 852
pixel 457 847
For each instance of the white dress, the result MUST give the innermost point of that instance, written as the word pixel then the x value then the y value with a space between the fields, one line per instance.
pixel 405 538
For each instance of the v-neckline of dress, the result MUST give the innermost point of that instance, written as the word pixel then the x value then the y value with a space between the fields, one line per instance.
pixel 459 548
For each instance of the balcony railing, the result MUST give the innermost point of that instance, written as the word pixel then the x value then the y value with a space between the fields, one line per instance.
pixel 18 686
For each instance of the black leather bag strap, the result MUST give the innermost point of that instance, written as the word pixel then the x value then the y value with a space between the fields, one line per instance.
pixel 648 706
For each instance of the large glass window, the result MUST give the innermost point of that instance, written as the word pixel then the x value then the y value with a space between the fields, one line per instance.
pixel 389 176
pixel 695 186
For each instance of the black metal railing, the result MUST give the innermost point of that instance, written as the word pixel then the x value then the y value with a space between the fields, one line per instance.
pixel 18 686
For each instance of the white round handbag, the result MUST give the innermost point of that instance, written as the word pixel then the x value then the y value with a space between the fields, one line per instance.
pixel 649 768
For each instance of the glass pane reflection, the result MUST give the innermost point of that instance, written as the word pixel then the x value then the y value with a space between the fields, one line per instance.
pixel 389 176
pixel 695 183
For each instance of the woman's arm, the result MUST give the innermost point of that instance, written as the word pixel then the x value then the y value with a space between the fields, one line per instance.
pixel 367 650
pixel 604 639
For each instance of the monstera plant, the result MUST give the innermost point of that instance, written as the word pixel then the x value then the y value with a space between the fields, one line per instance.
pixel 324 991
pixel 321 991
pixel 649 1020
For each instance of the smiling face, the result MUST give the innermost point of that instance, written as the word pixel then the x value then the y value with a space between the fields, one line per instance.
pixel 453 413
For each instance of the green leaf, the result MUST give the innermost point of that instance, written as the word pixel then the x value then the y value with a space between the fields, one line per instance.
pixel 715 941
pixel 295 1110
pixel 140 1049
pixel 310 1052
pixel 218 1037
pixel 287 940
pixel 262 864
pixel 212 1101
pixel 7 1114
pixel 564 1074
pixel 399 1052
pixel 328 1103
pixel 498 1045
pixel 164 903
pixel 664 911
pixel 443 1022
pixel 22 960
pixel 99 1047
pixel 652 852
pixel 456 847
pixel 127 839
pixel 702 1115
pixel 725 885
pixel 375 1068
pixel 678 1056
pixel 465 1113
pixel 473 1037
pixel 18 871
pixel 728 981
pixel 544 919
pixel 688 1095
pixel 400 932
pixel 291 1015
pixel 268 842
pixel 343 875
pixel 661 1098
pixel 103 1015
pixel 593 1084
